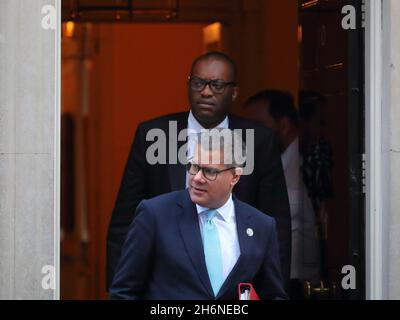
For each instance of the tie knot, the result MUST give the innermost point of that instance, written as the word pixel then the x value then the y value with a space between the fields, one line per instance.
pixel 211 214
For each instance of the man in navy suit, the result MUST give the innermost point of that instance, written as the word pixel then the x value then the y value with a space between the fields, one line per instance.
pixel 212 88
pixel 200 243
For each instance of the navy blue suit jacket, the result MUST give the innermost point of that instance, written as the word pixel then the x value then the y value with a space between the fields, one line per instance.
pixel 163 257
pixel 264 189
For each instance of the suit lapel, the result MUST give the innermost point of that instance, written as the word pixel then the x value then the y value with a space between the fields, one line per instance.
pixel 190 232
pixel 243 222
pixel 177 171
pixel 235 122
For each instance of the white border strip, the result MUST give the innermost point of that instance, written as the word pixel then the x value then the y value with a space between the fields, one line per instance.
pixel 373 134
pixel 57 151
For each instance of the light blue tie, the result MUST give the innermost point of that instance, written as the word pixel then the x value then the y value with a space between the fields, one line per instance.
pixel 212 251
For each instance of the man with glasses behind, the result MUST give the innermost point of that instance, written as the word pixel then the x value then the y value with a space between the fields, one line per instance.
pixel 202 242
pixel 212 88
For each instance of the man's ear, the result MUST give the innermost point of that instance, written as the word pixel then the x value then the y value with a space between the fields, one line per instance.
pixel 239 171
pixel 235 93
pixel 236 177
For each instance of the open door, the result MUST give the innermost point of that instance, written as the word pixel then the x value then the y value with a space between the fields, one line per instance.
pixel 331 71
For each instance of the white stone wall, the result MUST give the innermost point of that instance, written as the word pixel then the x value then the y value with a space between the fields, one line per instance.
pixel 391 119
pixel 28 149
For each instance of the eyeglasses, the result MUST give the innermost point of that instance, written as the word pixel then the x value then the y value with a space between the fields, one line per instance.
pixel 216 86
pixel 208 173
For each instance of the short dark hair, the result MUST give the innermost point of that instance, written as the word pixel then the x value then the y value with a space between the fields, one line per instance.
pixel 220 56
pixel 228 141
pixel 281 104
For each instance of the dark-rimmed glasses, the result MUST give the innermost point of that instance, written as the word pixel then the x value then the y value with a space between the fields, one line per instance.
pixel 216 86
pixel 208 172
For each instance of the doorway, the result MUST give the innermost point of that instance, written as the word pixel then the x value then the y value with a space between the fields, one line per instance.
pixel 112 80
pixel 110 61
pixel 332 73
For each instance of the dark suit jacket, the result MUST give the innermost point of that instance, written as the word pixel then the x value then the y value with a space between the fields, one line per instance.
pixel 163 255
pixel 264 189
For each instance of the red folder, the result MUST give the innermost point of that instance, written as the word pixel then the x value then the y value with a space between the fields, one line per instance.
pixel 247 286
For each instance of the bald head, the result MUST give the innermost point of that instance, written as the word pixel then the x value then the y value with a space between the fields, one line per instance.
pixel 217 56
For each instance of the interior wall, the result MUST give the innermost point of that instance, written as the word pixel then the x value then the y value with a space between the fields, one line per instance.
pixel 137 72
pixel 281 64
pixel 140 72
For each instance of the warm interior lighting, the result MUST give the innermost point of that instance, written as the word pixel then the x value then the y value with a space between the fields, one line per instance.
pixel 212 36
pixel 309 4
pixel 299 34
pixel 212 33
pixel 69 29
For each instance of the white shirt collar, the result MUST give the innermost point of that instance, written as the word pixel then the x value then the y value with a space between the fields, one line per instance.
pixel 291 151
pixel 194 125
pixel 225 211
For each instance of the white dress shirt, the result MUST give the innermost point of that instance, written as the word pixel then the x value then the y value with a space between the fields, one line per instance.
pixel 194 127
pixel 305 252
pixel 225 221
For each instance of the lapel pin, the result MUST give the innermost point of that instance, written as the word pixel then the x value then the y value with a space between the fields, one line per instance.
pixel 250 232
